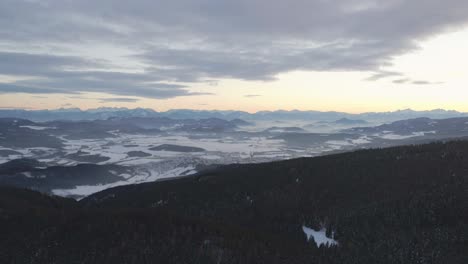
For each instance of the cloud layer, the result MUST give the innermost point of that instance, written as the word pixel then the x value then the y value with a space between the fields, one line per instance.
pixel 158 49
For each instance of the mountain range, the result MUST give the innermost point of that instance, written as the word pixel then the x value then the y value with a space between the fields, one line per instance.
pixel 105 113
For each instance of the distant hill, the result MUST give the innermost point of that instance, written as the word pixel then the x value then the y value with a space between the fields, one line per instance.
pixel 29 173
pixel 342 122
pixel 240 122
pixel 349 122
pixel 284 130
pixel 25 133
pixel 440 127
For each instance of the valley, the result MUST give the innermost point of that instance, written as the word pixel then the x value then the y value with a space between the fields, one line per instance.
pixel 150 149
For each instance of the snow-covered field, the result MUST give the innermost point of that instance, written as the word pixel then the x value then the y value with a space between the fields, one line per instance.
pixel 221 150
pixel 193 152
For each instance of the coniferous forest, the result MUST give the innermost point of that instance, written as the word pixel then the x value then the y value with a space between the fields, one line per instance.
pixel 395 205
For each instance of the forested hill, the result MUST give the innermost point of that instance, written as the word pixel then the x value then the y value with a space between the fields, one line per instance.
pixel 396 205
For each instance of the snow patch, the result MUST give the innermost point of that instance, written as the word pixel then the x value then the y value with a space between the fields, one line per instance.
pixel 338 142
pixel 361 140
pixel 38 127
pixel 27 174
pixel 319 237
pixel 392 136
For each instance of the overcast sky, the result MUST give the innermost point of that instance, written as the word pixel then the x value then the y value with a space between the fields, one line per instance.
pixel 346 55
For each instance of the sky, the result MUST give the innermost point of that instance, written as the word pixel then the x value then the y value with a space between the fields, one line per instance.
pixel 251 55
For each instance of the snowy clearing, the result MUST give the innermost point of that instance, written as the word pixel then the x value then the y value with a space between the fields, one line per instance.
pixel 319 237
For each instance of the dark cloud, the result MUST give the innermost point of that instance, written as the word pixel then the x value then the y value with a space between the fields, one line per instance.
pixel 79 97
pixel 52 74
pixel 16 108
pixel 401 81
pixel 384 74
pixel 177 43
pixel 12 88
pixel 426 83
pixel 252 95
pixel 119 100
pixel 27 64
pixel 421 82
pixel 409 81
